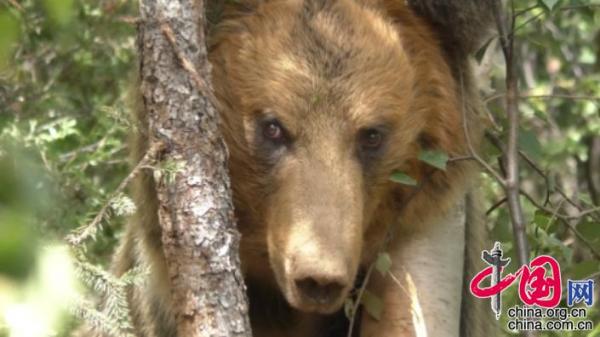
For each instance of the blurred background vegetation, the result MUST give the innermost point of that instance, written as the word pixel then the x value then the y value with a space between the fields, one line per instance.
pixel 67 66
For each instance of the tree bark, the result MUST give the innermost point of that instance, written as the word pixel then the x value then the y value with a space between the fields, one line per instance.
pixel 199 237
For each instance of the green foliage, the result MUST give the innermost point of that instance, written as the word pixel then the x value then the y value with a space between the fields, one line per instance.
pixel 549 4
pixel 372 303
pixel 65 72
pixel 403 178
pixel 437 159
pixel 383 263
pixel 9 26
pixel 559 83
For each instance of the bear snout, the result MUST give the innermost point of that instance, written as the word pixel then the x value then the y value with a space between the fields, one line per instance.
pixel 319 290
pixel 319 285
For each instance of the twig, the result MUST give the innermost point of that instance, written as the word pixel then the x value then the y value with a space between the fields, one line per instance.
pixel 565 220
pixel 495 206
pixel 500 146
pixel 525 10
pixel 562 216
pixel 545 96
pixel 16 5
pixel 82 233
pixel 358 297
pixel 582 212
pixel 388 238
pixel 575 7
pixel 472 153
pixel 533 18
pixel 573 97
pixel 132 20
pixel 511 155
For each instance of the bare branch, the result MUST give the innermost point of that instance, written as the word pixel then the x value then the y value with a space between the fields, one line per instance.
pixel 495 206
pixel 82 233
pixel 361 291
pixel 15 4
pixel 511 156
pixel 472 152
pixel 564 218
pixel 564 96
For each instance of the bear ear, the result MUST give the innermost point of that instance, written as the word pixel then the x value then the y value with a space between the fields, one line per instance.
pixel 463 26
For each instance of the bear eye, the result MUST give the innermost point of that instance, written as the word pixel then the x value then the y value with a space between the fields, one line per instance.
pixel 370 139
pixel 273 131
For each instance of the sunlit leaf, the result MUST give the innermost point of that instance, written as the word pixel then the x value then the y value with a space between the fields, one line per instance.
pixel 372 303
pixel 549 4
pixel 349 308
pixel 437 159
pixel 383 263
pixel 403 178
pixel 543 220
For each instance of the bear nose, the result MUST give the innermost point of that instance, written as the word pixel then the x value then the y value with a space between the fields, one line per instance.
pixel 320 290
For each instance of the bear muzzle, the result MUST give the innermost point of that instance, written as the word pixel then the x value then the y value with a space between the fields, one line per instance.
pixel 319 284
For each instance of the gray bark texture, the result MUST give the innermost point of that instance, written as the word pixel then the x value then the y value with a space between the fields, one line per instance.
pixel 199 236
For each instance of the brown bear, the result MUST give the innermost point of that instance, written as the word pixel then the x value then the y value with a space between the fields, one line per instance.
pixel 321 103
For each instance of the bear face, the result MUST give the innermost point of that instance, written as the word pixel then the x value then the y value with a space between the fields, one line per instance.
pixel 321 101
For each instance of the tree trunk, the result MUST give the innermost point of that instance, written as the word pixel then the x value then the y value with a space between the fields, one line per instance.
pixel 196 213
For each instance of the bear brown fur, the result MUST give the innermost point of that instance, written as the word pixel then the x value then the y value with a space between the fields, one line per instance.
pixel 321 102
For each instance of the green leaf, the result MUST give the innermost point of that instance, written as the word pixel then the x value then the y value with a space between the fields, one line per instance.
pixel 481 52
pixel 60 11
pixel 437 159
pixel 549 4
pixel 528 143
pixel 403 178
pixel 383 263
pixel 9 26
pixel 372 303
pixel 544 220
pixel 590 230
pixel 584 269
pixel 349 308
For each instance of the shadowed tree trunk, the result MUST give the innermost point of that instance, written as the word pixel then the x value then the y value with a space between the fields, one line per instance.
pixel 196 214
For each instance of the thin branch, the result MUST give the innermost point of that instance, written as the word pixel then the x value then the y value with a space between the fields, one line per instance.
pixel 472 153
pixel 16 5
pixel 528 21
pixel 388 239
pixel 545 96
pixel 582 212
pixel 576 7
pixel 564 218
pixel 565 96
pixel 132 20
pixel 495 206
pixel 511 156
pixel 525 10
pixel 358 297
pixel 81 234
